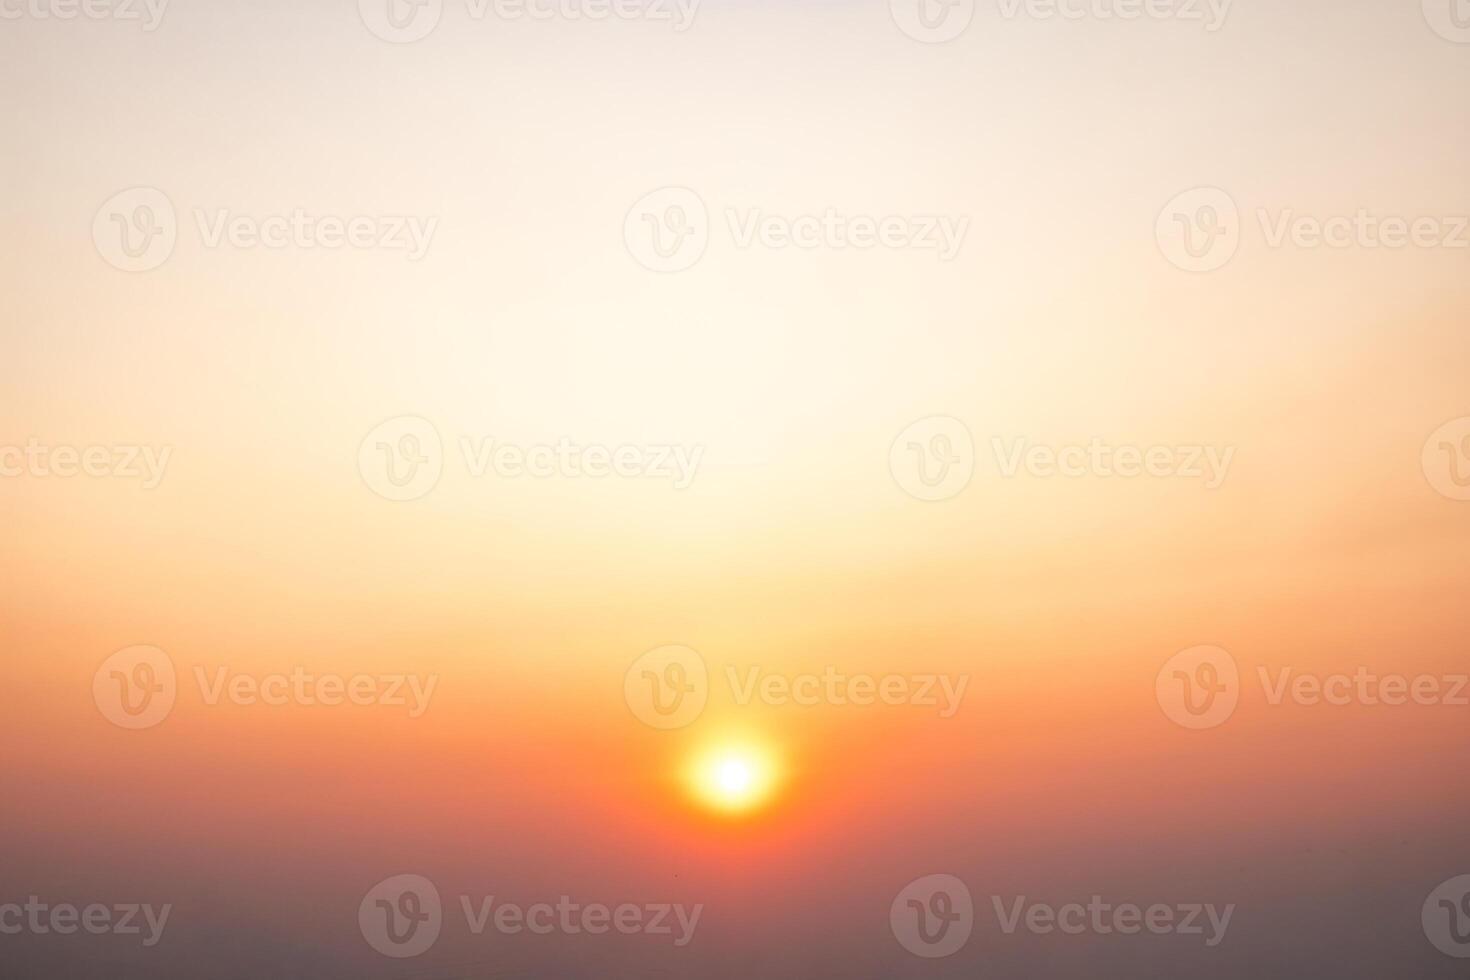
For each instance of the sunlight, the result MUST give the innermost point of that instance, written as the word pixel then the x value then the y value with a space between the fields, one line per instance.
pixel 734 778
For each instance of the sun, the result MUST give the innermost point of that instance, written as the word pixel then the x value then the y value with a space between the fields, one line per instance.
pixel 734 777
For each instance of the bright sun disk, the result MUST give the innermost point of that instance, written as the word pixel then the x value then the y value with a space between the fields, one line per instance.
pixel 734 778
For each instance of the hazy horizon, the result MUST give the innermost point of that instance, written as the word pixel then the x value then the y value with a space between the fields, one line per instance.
pixel 740 456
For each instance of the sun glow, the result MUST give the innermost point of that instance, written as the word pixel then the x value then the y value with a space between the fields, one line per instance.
pixel 734 778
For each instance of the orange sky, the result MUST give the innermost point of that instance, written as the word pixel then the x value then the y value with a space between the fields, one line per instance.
pixel 265 550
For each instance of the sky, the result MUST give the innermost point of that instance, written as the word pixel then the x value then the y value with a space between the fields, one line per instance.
pixel 740 456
